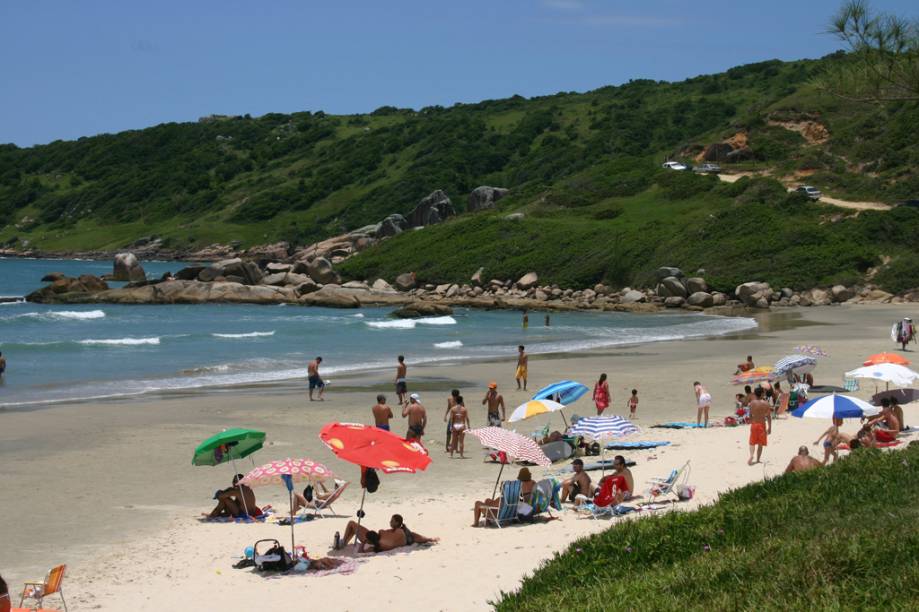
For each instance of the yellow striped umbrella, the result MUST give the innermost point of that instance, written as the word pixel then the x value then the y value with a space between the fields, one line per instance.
pixel 534 408
pixel 760 374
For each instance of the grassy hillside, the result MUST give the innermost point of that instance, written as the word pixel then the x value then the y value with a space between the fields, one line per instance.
pixel 584 167
pixel 841 537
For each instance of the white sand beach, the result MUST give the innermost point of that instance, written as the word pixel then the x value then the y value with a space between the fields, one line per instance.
pixel 109 489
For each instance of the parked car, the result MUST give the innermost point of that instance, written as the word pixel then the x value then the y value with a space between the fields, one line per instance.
pixel 673 165
pixel 812 192
pixel 707 167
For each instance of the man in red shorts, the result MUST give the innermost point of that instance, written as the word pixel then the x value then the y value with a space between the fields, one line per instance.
pixel 886 425
pixel 760 416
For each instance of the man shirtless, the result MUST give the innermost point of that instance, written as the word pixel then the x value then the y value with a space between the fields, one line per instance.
pixel 316 382
pixel 760 415
pixel 381 413
pixel 401 382
pixel 746 366
pixel 521 374
pixel 579 484
pixel 886 426
pixel 238 501
pixel 495 402
pixel 802 461
pixel 385 539
pixel 417 417
pixel 451 402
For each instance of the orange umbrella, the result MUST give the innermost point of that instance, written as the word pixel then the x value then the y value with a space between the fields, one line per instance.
pixel 879 358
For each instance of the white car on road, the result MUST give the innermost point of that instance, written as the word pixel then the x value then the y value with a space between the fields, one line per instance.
pixel 673 165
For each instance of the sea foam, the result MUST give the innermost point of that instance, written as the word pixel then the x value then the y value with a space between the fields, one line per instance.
pixel 449 344
pixel 246 335
pixel 120 341
pixel 411 323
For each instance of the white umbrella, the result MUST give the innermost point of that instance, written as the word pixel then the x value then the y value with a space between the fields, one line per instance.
pixel 900 376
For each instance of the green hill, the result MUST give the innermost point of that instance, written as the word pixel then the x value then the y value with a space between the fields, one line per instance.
pixel 583 167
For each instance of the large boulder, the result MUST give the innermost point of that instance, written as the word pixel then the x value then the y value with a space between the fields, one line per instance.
pixel 673 287
pixel 333 297
pixel 382 286
pixel 391 225
pixel 432 209
pixel 841 293
pixel 53 276
pixel 321 271
pixel 406 281
pixel 84 284
pixel 127 268
pixel 285 279
pixel 701 298
pixel 307 286
pixel 632 296
pixel 665 271
pixel 278 250
pixel 416 310
pixel 485 197
pixel 188 273
pixel 674 302
pixel 750 292
pixel 696 284
pixel 819 297
pixel 528 281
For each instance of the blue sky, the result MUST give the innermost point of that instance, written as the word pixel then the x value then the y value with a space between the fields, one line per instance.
pixel 75 69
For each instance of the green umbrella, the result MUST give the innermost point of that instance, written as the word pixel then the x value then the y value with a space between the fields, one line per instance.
pixel 228 445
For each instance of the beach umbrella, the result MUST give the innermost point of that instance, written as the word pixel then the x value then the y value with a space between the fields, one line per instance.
pixel 601 429
pixel 286 472
pixel 887 372
pixel 228 446
pixel 535 408
pixel 813 351
pixel 564 392
pixel 756 375
pixel 835 406
pixel 511 443
pixel 879 358
pixel 371 447
pixel 793 364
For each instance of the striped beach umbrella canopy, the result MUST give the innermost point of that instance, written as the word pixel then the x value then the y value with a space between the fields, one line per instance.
pixel 835 406
pixel 879 358
pixel 793 364
pixel 603 428
pixel 534 408
pixel 756 375
pixel 808 349
pixel 514 445
pixel 564 392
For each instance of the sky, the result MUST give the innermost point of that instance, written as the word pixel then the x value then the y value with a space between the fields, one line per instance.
pixel 73 69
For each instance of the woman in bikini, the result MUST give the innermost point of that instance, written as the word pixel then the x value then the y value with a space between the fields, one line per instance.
pixel 601 394
pixel 704 401
pixel 459 421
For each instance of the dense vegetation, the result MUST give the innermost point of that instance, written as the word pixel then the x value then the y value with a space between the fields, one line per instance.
pixel 841 537
pixel 584 168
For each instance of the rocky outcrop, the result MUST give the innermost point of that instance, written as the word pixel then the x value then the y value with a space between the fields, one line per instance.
pixel 189 273
pixel 278 250
pixel 431 210
pixel 671 286
pixel 382 286
pixel 53 276
pixel 406 281
pixel 320 270
pixel 484 197
pixel 67 288
pixel 391 225
pixel 284 279
pixel 701 299
pixel 418 309
pixel 127 268
pixel 527 281
pixel 332 297
pixel 633 296
pixel 246 271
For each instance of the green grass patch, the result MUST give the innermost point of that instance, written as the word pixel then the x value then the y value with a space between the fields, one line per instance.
pixel 841 537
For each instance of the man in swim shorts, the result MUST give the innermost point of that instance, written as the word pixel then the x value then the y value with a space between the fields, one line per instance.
pixel 521 374
pixel 760 415
pixel 494 402
pixel 579 484
pixel 316 382
pixel 417 417
pixel 802 461
pixel 396 536
pixel 401 382
pixel 381 413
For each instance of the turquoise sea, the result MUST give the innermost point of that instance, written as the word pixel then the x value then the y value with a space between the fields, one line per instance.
pixel 63 353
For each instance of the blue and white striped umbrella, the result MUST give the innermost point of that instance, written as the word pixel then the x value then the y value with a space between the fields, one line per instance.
pixel 603 428
pixel 836 406
pixel 564 392
pixel 797 364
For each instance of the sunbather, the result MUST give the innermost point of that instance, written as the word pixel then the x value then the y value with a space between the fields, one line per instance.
pixel 301 501
pixel 886 425
pixel 385 539
pixel 579 484
pixel 802 461
pixel 236 501
pixel 5 603
pixel 526 493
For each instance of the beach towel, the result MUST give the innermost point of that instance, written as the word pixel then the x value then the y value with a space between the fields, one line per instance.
pixel 678 425
pixel 845 446
pixel 635 445
pixel 300 518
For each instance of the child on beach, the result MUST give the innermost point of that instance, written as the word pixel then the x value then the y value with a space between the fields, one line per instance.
pixel 633 404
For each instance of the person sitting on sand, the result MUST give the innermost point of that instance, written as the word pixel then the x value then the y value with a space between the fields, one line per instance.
pixel 526 494
pixel 886 426
pixel 802 461
pixel 417 417
pixel 396 536
pixel 316 382
pixel 381 413
pixel 459 420
pixel 897 411
pixel 832 439
pixel 311 498
pixel 746 366
pixel 578 484
pixel 865 438
pixel 238 501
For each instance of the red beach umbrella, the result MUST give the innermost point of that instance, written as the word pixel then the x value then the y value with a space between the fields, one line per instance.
pixel 879 358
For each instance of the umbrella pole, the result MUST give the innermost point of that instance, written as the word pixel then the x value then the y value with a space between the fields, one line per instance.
pixel 241 496
pixel 291 495
pixel 361 511
pixel 563 419
pixel 497 480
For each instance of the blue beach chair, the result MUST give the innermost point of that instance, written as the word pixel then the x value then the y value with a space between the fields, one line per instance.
pixel 507 510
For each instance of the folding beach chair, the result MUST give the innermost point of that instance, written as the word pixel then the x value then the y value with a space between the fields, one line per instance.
pixel 669 485
pixel 37 591
pixel 507 510
pixel 850 384
pixel 545 497
pixel 325 505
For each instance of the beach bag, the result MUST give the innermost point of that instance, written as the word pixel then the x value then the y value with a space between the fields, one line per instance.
pixel 592 449
pixel 730 421
pixel 275 559
pixel 371 481
pixel 686 492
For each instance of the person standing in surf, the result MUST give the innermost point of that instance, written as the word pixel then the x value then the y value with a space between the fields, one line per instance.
pixel 601 394
pixel 521 374
pixel 401 382
pixel 2 365
pixel 703 401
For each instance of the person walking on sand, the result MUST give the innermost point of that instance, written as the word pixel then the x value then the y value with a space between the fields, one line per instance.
pixel 521 374
pixel 760 416
pixel 451 401
pixel 703 401
pixel 381 413
pixel 417 417
pixel 401 382
pixel 601 394
pixel 633 404
pixel 494 401
pixel 316 382
pixel 459 421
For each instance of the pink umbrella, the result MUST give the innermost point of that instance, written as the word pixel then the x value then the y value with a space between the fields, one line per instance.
pixel 515 446
pixel 286 471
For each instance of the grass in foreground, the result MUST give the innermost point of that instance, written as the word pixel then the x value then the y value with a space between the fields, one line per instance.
pixel 842 537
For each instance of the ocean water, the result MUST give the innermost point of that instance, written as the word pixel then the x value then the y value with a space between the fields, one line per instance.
pixel 63 353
